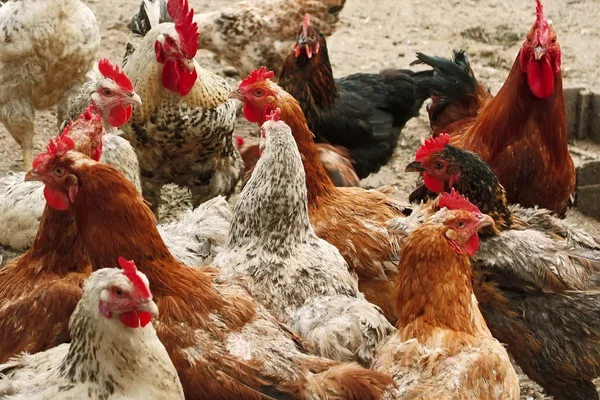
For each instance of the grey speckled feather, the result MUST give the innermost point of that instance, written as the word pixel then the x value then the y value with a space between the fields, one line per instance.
pixel 303 279
pixel 105 360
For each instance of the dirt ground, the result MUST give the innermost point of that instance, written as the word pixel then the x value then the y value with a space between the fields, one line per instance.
pixel 376 34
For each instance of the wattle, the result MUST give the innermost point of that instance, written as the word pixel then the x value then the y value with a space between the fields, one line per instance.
pixel 56 198
pixel 540 77
pixel 434 184
pixel 119 115
pixel 178 78
pixel 135 319
pixel 253 114
pixel 472 245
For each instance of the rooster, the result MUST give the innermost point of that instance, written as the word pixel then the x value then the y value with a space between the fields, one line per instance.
pixel 45 283
pixel 45 48
pixel 248 33
pixel 531 281
pixel 114 352
pixel 335 160
pixel 302 279
pixel 351 219
pixel 362 112
pixel 521 133
pixel 222 342
pixel 443 348
pixel 183 132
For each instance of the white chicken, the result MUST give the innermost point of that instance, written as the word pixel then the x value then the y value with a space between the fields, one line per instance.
pixel 114 352
pixel 303 279
pixel 46 46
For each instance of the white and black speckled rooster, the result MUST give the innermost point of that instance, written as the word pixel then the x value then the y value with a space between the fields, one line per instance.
pixel 45 48
pixel 114 353
pixel 303 279
pixel 183 131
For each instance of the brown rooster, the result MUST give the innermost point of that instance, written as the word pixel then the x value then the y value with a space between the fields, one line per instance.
pixel 443 348
pixel 223 344
pixel 45 283
pixel 521 133
pixel 352 219
pixel 530 280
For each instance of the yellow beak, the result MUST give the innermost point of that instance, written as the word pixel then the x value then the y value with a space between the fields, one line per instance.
pixel 32 176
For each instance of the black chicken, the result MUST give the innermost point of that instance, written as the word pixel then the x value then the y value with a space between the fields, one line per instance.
pixel 362 112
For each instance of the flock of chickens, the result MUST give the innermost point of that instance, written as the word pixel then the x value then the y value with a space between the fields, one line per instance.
pixel 311 287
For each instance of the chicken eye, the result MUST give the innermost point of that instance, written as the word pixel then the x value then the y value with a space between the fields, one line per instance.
pixel 106 92
pixel 118 292
pixel 460 224
pixel 259 92
pixel 58 171
pixel 171 41
pixel 438 165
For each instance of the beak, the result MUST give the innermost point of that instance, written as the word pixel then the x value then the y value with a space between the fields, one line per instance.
pixel 414 166
pixel 302 40
pixel 32 176
pixel 539 52
pixel 236 94
pixel 149 306
pixel 133 99
pixel 189 63
pixel 484 220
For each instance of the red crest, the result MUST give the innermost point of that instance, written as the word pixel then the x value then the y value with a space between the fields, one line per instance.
pixel 55 148
pixel 130 271
pixel 183 17
pixel 258 75
pixel 432 146
pixel 113 72
pixel 455 201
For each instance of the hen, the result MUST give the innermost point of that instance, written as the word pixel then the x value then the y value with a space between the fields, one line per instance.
pixel 351 219
pixel 222 342
pixel 44 284
pixel 335 160
pixel 362 112
pixel 443 348
pixel 114 352
pixel 249 33
pixel 45 47
pixel 521 133
pixel 183 131
pixel 529 279
pixel 302 279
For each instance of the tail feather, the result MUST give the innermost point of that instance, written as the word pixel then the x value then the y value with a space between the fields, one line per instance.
pixel 152 13
pixel 350 382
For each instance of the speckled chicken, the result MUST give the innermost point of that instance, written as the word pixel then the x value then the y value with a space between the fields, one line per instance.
pixel 443 348
pixel 250 33
pixel 534 276
pixel 182 133
pixel 46 46
pixel 223 343
pixel 114 353
pixel 302 279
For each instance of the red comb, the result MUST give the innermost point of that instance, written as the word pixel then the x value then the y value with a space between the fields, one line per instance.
pixel 130 271
pixel 113 72
pixel 258 75
pixel 432 146
pixel 55 148
pixel 186 28
pixel 89 114
pixel 454 201
pixel 274 115
pixel 239 142
pixel 541 24
pixel 306 24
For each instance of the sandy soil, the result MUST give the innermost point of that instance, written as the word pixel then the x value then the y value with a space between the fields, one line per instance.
pixel 376 34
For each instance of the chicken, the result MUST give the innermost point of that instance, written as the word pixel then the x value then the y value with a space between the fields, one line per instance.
pixel 531 285
pixel 45 47
pixel 362 112
pixel 521 133
pixel 45 283
pixel 183 132
pixel 249 33
pixel 302 279
pixel 222 342
pixel 111 92
pixel 114 352
pixel 335 160
pixel 443 348
pixel 351 219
